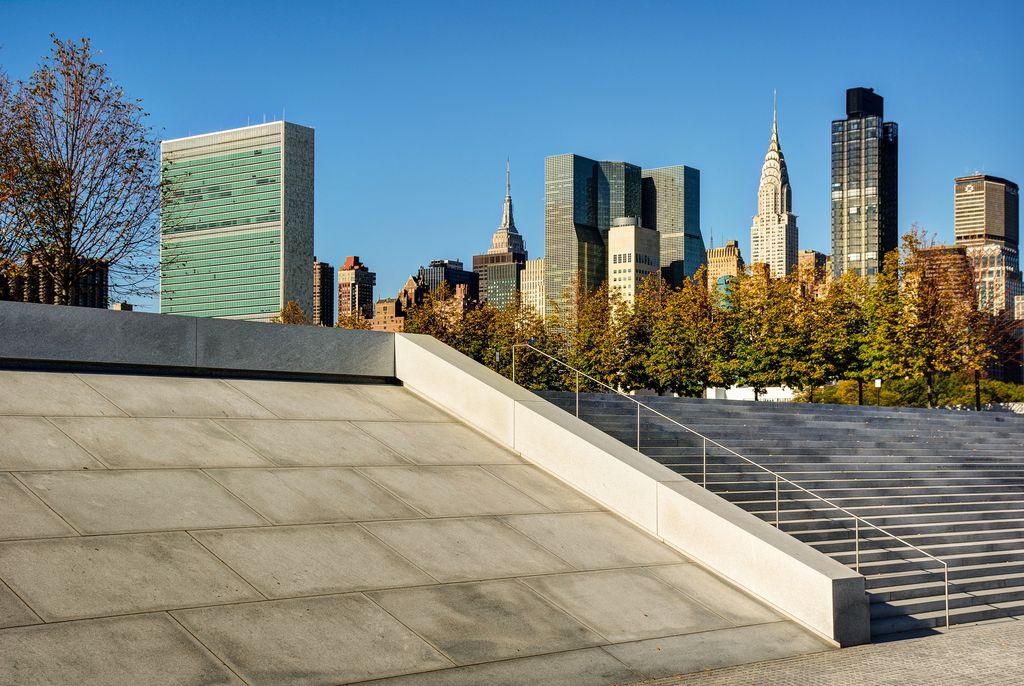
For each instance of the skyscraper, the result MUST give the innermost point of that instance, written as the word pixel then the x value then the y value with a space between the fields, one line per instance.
pixel 865 211
pixel 724 262
pixel 355 288
pixel 236 233
pixel 532 288
pixel 773 233
pixel 323 293
pixel 986 221
pixel 500 267
pixel 986 209
pixel 633 255
pixel 670 199
pixel 453 273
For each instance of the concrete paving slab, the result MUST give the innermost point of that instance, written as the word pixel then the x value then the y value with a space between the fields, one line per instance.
pixel 124 651
pixel 736 606
pixel 97 576
pixel 310 400
pixel 439 443
pixel 288 561
pixel 34 443
pixel 22 515
pixel 467 549
pixel 487 620
pixel 13 612
pixel 661 657
pixel 626 604
pixel 164 396
pixel 51 393
pixel 132 443
pixel 299 443
pixel 587 667
pixel 404 403
pixel 452 491
pixel 122 501
pixel 549 491
pixel 594 540
pixel 326 640
pixel 312 495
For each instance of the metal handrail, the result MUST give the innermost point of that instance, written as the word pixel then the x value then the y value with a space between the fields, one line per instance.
pixel 857 519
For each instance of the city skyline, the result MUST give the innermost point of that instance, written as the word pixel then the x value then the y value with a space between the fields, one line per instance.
pixel 386 120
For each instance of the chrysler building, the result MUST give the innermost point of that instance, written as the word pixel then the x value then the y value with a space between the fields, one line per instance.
pixel 773 234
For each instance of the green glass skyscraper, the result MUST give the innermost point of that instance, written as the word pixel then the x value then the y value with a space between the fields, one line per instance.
pixel 236 224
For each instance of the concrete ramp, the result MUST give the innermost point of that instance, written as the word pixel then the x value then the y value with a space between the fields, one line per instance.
pixel 173 530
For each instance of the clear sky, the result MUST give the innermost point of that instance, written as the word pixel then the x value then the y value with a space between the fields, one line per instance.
pixel 417 105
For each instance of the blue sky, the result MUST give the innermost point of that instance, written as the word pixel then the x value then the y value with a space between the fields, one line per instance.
pixel 417 105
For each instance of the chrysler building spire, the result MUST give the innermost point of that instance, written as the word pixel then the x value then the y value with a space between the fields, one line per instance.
pixel 773 233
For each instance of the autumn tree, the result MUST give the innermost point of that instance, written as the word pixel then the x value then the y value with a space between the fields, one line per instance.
pixel 353 320
pixel 79 175
pixel 835 327
pixel 633 328
pixel 589 336
pixel 291 313
pixel 439 315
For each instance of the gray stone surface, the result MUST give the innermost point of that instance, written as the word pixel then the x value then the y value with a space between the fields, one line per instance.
pixel 586 667
pixel 312 495
pixel 404 403
pixel 325 640
pixel 288 561
pixel 226 344
pixel 626 604
pixel 53 333
pixel 544 488
pixel 13 612
pixel 122 501
pixel 34 443
pixel 310 400
pixel 295 442
pixel 466 549
pixel 73 578
pixel 452 491
pixel 715 649
pixel 168 396
pixel 727 601
pixel 594 540
pixel 51 393
pixel 489 620
pixel 23 515
pixel 130 443
pixel 123 651
pixel 439 443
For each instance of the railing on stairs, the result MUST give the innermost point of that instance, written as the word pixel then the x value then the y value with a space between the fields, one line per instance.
pixel 858 521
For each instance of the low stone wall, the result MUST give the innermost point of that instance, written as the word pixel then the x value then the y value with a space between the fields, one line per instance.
pixel 808 586
pixel 58 337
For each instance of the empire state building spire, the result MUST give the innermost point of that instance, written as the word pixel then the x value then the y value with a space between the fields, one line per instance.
pixel 507 237
pixel 773 233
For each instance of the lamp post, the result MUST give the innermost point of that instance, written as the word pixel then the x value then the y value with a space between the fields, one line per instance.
pixel 878 392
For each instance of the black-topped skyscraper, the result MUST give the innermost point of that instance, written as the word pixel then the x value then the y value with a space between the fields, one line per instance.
pixel 865 186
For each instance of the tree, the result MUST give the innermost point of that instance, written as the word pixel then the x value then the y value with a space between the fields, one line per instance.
pixel 353 320
pixel 291 313
pixel 79 175
pixel 838 326
pixel 439 315
pixel 633 330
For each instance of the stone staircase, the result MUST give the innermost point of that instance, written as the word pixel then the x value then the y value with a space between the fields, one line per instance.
pixel 950 483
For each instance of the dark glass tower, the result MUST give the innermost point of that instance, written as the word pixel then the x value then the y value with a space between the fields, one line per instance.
pixel 671 205
pixel 581 198
pixel 865 211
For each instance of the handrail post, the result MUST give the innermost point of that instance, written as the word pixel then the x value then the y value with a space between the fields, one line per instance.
pixel 856 544
pixel 638 427
pixel 705 481
pixel 577 393
pixel 777 502
pixel 945 574
pixel 513 364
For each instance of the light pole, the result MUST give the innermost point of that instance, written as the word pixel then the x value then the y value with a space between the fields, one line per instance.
pixel 878 392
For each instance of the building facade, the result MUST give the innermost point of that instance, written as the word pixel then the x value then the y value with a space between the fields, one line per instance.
pixel 670 204
pixel 815 272
pixel 773 233
pixel 997 275
pixel 500 268
pixel 355 288
pixel 634 254
pixel 532 289
pixel 323 293
pixel 454 274
pixel 724 262
pixel 29 282
pixel 236 230
pixel 986 209
pixel 865 185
